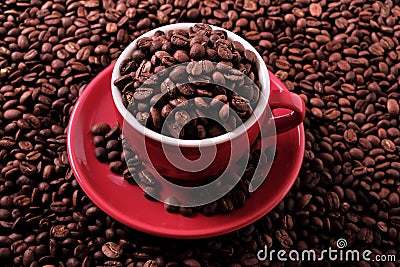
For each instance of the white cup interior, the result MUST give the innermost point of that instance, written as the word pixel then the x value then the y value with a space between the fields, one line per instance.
pixel 129 118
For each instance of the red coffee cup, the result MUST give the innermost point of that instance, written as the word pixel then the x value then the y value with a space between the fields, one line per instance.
pixel 180 159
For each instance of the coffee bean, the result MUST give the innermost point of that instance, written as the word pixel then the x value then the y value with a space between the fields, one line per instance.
pixel 179 40
pixel 171 205
pixel 350 136
pixel 200 102
pixel 111 250
pixel 315 9
pixel 197 51
pixel 113 264
pixel 59 231
pixel 224 112
pixel 142 93
pixel 181 56
pixel 113 145
pixel 58 206
pixel 251 56
pixel 186 211
pixel 224 52
pixel 332 114
pixel 100 128
pixel 225 205
pixel 116 167
pixel 191 263
pixel 393 107
pixel 186 90
pixel 388 145
pixel 156 117
pixel 150 263
pixel 182 117
pixel 5 254
pixel 113 156
pixel 166 110
pixel 376 49
pixel 177 74
pixel 100 153
pixel 99 141
pixel 201 132
pixel 12 114
pixel 240 103
pixel 218 78
pixel 194 68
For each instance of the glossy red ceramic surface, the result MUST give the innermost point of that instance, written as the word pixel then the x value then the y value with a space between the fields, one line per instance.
pixel 126 203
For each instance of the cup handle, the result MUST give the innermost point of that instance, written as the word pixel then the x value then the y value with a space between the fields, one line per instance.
pixel 287 100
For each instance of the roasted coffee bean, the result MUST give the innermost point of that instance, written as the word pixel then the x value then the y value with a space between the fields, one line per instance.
pixel 171 205
pixel 250 56
pixel 175 130
pixel 179 40
pixel 197 51
pixel 116 166
pixel 350 136
pixel 100 128
pixel 113 264
pixel 99 141
pixel 186 90
pixel 388 145
pixel 114 156
pixel 180 101
pixel 59 231
pixel 177 75
pixel 224 53
pixel 194 68
pixel 142 93
pixel 111 250
pixel 393 107
pixel 166 110
pixel 201 131
pixel 156 117
pixel 224 112
pixel 186 211
pixel 182 117
pixel 12 114
pixel 100 153
pixel 112 145
pixel 181 56
pixel 58 206
pixel 240 103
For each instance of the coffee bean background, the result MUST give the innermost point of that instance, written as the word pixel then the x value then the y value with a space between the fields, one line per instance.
pixel 341 56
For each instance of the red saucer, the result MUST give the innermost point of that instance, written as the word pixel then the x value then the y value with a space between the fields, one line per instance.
pixel 126 203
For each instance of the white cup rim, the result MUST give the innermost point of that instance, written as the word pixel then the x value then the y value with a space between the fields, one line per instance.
pixel 263 76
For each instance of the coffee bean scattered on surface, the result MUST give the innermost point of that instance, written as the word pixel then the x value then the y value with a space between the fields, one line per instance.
pixel 343 60
pixel 108 146
pixel 165 71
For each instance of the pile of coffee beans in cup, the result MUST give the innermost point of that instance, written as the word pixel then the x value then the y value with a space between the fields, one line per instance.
pixel 340 56
pixel 164 72
pixel 112 149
